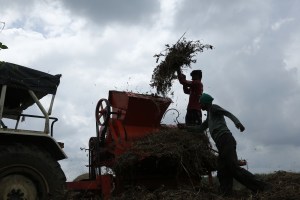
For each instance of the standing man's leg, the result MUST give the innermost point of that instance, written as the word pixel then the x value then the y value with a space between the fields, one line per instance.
pixel 248 179
pixel 240 174
pixel 193 117
pixel 198 114
pixel 226 148
pixel 188 117
pixel 225 179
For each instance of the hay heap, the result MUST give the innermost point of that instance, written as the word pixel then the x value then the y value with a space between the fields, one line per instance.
pixel 178 56
pixel 171 150
pixel 286 186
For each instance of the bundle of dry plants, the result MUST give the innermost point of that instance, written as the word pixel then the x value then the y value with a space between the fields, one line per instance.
pixel 190 153
pixel 176 57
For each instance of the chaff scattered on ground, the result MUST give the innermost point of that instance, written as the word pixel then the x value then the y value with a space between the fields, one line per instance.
pixel 176 57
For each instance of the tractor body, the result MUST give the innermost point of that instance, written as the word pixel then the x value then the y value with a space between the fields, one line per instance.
pixel 29 167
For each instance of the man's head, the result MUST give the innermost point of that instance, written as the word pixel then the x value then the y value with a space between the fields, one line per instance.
pixel 206 101
pixel 196 74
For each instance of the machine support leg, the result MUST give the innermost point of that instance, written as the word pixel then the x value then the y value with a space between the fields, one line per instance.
pixel 106 185
pixel 210 179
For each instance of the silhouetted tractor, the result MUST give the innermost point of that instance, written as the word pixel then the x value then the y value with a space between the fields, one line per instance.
pixel 29 167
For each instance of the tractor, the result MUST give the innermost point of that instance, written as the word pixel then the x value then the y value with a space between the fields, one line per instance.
pixel 29 167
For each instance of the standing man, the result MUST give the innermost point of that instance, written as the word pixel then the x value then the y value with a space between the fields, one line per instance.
pixel 194 88
pixel 228 167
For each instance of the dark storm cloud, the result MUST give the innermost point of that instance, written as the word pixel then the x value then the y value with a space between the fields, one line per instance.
pixel 103 12
pixel 230 18
pixel 266 87
pixel 204 15
pixel 248 70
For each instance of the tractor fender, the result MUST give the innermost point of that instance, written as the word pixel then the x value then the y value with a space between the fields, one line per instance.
pixel 41 140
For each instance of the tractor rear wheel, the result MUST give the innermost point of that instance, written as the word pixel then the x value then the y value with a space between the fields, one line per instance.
pixel 27 172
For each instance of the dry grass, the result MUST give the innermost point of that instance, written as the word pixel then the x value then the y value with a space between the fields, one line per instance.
pixel 286 186
pixel 188 152
pixel 175 57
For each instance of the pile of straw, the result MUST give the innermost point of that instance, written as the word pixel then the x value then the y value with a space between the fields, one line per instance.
pixel 170 149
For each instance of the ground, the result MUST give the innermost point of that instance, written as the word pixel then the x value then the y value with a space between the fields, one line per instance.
pixel 286 186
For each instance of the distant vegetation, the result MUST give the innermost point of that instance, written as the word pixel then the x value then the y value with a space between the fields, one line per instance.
pixel 2 46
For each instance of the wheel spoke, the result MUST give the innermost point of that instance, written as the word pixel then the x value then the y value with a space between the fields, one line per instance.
pixel 102 112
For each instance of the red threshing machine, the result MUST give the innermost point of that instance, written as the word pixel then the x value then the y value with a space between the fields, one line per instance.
pixel 122 119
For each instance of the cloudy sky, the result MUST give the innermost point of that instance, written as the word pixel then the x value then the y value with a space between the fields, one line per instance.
pixel 97 46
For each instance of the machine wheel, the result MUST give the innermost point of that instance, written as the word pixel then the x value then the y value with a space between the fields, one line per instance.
pixel 103 112
pixel 29 173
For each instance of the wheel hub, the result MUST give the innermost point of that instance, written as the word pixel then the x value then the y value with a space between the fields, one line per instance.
pixel 15 195
pixel 17 187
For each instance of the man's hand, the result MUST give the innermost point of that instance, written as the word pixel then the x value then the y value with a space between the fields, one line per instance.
pixel 240 126
pixel 181 76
